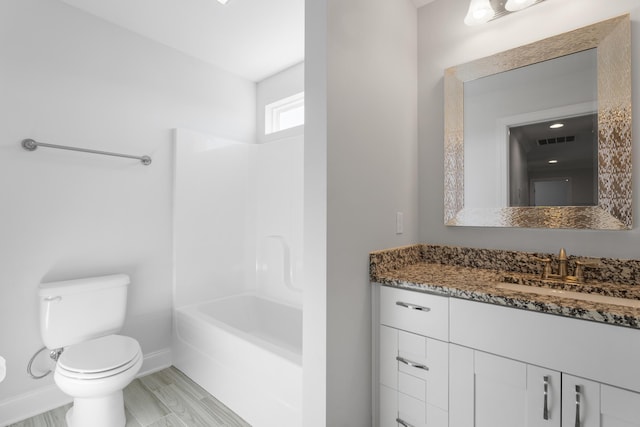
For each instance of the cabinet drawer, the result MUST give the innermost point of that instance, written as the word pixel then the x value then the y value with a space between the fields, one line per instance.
pixel 414 365
pixel 415 312
pixel 388 407
pixel 396 408
pixel 417 413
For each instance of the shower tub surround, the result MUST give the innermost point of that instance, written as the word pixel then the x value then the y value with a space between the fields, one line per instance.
pixel 475 274
pixel 238 210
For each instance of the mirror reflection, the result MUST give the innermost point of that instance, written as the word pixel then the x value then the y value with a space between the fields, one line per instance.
pixel 517 104
pixel 554 163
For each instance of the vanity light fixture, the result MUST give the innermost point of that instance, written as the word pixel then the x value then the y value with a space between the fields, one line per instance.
pixel 482 11
pixel 556 125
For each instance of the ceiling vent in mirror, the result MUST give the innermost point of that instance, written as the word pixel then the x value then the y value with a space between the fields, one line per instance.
pixel 556 140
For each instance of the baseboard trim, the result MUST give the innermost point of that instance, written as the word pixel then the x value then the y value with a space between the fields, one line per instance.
pixel 48 397
pixel 32 403
pixel 156 361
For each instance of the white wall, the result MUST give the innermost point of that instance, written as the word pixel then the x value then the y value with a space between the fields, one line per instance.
pixel 69 78
pixel 444 41
pixel 361 120
pixel 314 327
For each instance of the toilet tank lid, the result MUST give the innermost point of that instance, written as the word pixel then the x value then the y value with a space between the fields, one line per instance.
pixel 88 284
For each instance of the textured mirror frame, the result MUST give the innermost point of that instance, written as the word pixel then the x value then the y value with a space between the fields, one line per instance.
pixel 612 38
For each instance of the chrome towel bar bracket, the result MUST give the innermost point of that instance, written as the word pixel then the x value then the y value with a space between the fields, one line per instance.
pixel 31 145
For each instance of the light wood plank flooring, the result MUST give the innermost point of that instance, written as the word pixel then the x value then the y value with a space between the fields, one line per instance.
pixel 167 398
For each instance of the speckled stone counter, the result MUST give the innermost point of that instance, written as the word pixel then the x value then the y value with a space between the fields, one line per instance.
pixel 474 274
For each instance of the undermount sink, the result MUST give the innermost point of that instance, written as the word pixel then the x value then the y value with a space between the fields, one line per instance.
pixel 561 293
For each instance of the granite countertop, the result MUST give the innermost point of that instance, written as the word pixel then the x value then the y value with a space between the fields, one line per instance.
pixel 413 269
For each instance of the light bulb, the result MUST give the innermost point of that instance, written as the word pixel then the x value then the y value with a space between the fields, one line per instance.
pixel 480 11
pixel 515 5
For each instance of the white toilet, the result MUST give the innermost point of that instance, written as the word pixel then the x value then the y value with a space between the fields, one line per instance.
pixel 81 317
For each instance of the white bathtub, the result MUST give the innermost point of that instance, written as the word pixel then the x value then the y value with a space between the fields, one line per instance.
pixel 246 351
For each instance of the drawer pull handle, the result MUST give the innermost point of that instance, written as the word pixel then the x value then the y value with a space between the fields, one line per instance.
pixel 412 306
pixel 545 409
pixel 577 406
pixel 403 423
pixel 412 364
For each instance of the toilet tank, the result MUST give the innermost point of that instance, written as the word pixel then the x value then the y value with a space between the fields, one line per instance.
pixel 73 311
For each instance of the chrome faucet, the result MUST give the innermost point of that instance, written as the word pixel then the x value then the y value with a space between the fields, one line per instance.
pixel 562 268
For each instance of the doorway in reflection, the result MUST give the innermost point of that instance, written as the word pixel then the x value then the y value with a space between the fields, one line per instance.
pixel 554 162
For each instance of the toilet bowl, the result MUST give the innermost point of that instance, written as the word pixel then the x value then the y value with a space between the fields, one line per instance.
pixel 79 320
pixel 94 373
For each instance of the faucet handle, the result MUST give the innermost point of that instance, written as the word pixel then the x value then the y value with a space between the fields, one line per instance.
pixel 546 271
pixel 589 263
pixel 581 264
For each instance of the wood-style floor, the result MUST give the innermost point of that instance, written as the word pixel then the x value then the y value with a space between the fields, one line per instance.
pixel 167 398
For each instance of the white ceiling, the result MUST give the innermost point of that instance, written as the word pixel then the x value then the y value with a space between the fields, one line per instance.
pixel 250 38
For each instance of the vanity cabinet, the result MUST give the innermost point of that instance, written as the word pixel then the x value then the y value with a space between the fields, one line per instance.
pixel 413 359
pixel 518 368
pixel 441 361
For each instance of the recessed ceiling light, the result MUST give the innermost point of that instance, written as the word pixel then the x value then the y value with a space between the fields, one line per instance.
pixel 556 125
pixel 553 162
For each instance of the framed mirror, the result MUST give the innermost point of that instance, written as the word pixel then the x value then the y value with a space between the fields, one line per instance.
pixel 505 166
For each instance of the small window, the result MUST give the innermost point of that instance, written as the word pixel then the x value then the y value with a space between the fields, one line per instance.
pixel 284 114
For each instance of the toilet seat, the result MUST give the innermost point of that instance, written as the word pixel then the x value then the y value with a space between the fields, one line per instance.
pixel 99 358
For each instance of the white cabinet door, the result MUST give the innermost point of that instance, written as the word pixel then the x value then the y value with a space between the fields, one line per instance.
pixel 580 402
pixel 500 391
pixel 544 391
pixel 492 391
pixel 587 403
pixel 461 386
pixel 618 407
